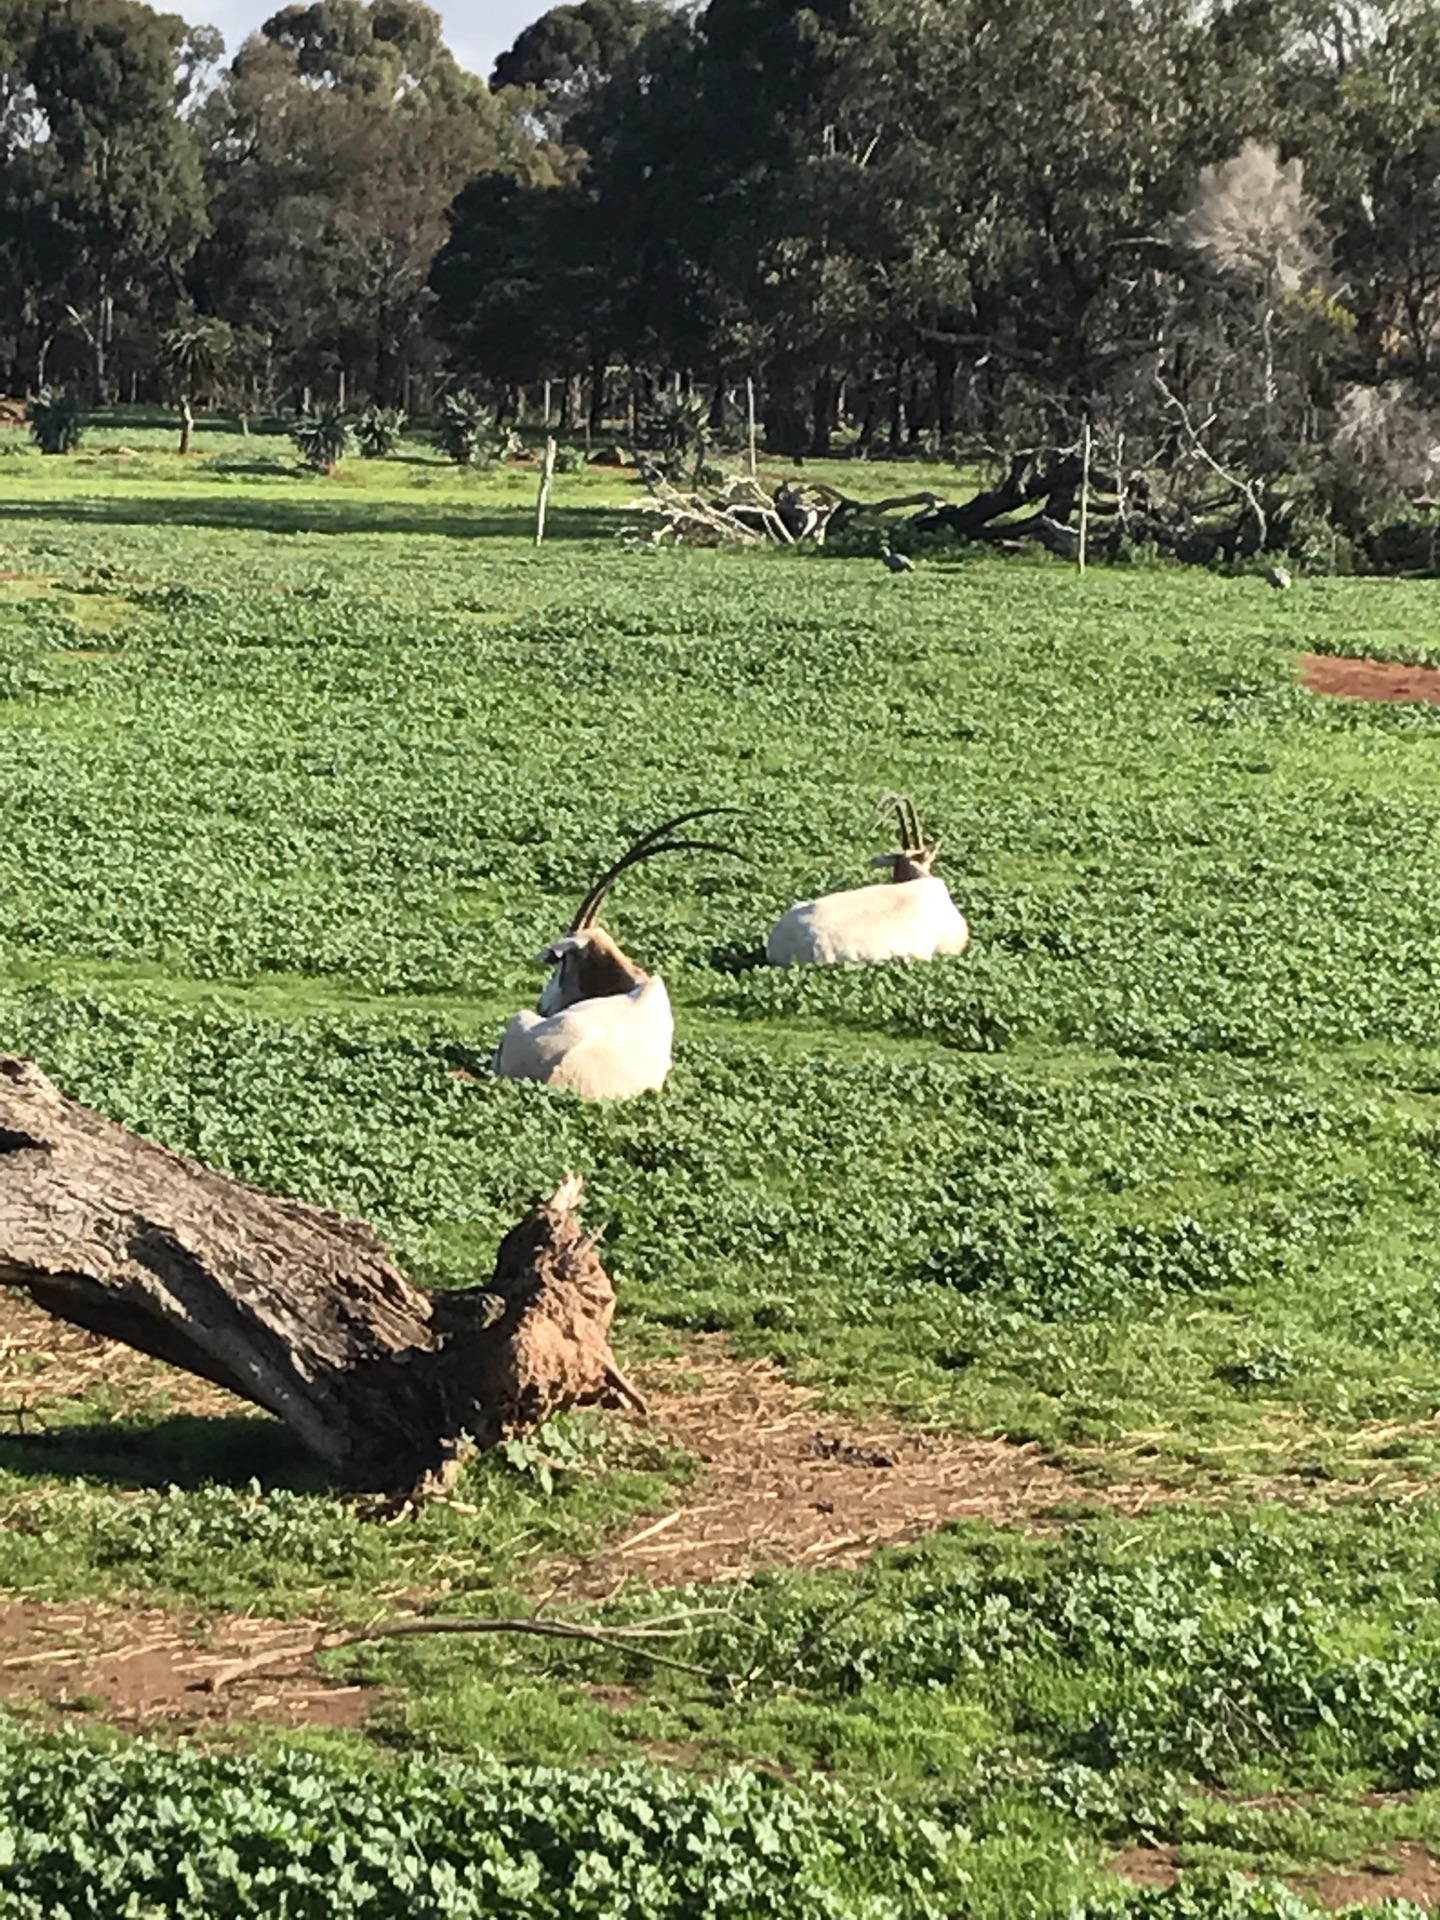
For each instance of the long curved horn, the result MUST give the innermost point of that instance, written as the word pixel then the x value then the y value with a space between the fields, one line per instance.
pixel 907 819
pixel 645 848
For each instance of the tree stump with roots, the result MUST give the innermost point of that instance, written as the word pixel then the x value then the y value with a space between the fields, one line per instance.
pixel 293 1307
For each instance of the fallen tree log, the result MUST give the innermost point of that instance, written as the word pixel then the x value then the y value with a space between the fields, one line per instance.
pixel 1035 500
pixel 1055 483
pixel 1052 534
pixel 292 1306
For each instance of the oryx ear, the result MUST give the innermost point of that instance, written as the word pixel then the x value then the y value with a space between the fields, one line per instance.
pixel 885 860
pixel 552 955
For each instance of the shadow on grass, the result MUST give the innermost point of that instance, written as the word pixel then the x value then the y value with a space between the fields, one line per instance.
pixel 250 515
pixel 181 1451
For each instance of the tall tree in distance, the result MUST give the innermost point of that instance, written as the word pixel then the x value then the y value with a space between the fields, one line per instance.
pixel 566 55
pixel 335 143
pixel 103 191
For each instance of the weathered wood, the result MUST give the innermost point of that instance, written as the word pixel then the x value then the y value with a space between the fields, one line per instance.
pixel 547 474
pixel 292 1306
pixel 1056 484
pixel 1042 527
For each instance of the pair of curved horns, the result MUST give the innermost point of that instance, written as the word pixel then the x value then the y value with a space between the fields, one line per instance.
pixel 912 838
pixel 646 848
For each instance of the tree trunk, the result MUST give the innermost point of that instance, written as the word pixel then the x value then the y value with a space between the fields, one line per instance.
pixel 290 1305
pixel 946 361
pixel 914 412
pixel 598 370
pixel 897 423
pixel 822 402
pixel 187 422
pixel 100 340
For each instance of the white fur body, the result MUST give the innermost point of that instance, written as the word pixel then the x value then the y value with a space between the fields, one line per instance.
pixel 611 1047
pixel 896 920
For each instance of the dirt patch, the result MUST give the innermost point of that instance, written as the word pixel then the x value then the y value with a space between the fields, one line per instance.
pixel 1147 1866
pixel 43 1359
pixel 1383 680
pixel 138 1666
pixel 1407 1873
pixel 784 1485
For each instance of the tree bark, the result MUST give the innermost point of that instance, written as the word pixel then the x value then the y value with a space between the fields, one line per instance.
pixel 946 361
pixel 1057 485
pixel 822 412
pixel 897 424
pixel 293 1307
pixel 598 371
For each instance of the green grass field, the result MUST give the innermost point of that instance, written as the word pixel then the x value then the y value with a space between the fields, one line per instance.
pixel 297 774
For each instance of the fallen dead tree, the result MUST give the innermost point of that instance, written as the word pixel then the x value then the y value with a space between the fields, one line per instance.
pixel 293 1307
pixel 744 513
pixel 1036 500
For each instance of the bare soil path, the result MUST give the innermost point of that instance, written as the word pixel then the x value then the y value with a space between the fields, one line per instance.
pixel 783 1484
pixel 1405 1873
pixel 1387 681
pixel 141 1667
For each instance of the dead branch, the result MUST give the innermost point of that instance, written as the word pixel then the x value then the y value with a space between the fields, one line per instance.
pixel 622 1639
pixel 1195 437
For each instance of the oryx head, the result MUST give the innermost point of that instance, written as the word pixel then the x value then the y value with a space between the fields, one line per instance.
pixel 916 858
pixel 588 963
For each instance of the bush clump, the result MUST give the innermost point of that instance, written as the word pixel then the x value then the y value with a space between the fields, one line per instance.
pixel 323 437
pixel 469 431
pixel 378 431
pixel 145 1830
pixel 57 423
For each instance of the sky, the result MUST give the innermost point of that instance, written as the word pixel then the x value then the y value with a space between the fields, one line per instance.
pixel 475 30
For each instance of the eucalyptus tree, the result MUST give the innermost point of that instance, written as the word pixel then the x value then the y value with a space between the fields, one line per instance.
pixel 336 142
pixel 103 193
pixel 1383 199
pixel 525 283
pixel 565 56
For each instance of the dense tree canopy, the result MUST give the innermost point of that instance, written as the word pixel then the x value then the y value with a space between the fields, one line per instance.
pixel 939 220
pixel 971 215
pixel 335 143
pixel 103 196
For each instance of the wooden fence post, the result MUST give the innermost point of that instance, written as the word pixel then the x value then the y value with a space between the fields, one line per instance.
pixel 547 472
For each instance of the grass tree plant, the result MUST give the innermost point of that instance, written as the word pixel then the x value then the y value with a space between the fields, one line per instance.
pixel 57 421
pixel 323 436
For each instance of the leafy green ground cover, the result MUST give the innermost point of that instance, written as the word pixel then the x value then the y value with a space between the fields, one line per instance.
pixel 295 775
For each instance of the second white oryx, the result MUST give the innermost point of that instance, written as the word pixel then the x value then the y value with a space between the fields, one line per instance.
pixel 910 917
pixel 603 1026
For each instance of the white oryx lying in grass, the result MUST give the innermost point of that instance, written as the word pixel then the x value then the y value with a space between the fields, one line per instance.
pixel 603 1027
pixel 910 917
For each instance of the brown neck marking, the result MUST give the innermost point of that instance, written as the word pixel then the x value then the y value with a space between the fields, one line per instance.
pixel 601 968
pixel 913 864
pixel 589 966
